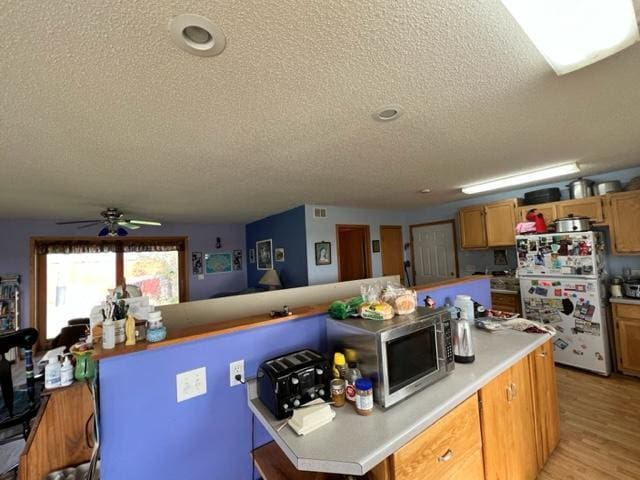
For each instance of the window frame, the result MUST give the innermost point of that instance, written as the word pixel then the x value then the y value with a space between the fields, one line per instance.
pixel 38 272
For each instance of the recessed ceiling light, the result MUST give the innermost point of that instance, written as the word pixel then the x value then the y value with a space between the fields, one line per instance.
pixel 390 112
pixel 197 35
pixel 529 177
pixel 425 190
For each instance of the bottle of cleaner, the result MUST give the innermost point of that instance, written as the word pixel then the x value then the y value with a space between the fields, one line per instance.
pixel 66 371
pixel 108 334
pixel 52 373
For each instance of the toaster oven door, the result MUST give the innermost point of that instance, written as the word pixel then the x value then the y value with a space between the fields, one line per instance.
pixel 410 359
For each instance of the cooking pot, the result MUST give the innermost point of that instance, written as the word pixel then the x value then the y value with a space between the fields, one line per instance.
pixel 602 188
pixel 572 224
pixel 632 287
pixel 581 188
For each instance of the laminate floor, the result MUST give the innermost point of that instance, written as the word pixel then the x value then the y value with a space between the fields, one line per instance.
pixel 599 428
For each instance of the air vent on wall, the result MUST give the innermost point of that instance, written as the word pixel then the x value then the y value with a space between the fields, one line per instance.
pixel 319 213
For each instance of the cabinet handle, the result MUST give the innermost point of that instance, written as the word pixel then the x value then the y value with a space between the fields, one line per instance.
pixel 514 390
pixel 509 393
pixel 447 456
pixel 543 354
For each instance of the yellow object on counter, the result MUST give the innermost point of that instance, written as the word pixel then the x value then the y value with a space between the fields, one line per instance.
pixel 339 365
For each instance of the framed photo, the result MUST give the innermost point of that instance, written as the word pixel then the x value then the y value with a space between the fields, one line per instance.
pixel 278 253
pixel 252 255
pixel 264 252
pixel 376 246
pixel 323 253
pixel 500 257
pixel 237 260
pixel 196 263
pixel 215 263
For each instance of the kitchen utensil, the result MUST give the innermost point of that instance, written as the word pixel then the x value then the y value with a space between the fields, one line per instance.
pixel 544 195
pixel 602 188
pixel 581 188
pixel 463 351
pixel 572 223
pixel 631 287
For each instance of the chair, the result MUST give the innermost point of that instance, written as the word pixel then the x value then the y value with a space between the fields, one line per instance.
pixel 71 334
pixel 20 405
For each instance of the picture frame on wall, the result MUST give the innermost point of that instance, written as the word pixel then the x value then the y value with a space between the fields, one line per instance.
pixel 264 254
pixel 278 253
pixel 252 255
pixel 323 253
pixel 197 267
pixel 217 262
pixel 237 260
pixel 376 246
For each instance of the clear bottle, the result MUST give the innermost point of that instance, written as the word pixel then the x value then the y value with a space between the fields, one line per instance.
pixel 353 374
pixel 52 373
pixel 108 334
pixel 66 371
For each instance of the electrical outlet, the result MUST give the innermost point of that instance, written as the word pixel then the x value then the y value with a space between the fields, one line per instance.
pixel 236 368
pixel 191 384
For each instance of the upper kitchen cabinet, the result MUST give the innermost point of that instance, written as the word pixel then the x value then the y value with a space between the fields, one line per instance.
pixel 500 221
pixel 548 211
pixel 590 207
pixel 472 227
pixel 623 215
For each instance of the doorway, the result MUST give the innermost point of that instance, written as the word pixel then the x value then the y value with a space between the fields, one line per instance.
pixel 391 249
pixel 434 252
pixel 354 252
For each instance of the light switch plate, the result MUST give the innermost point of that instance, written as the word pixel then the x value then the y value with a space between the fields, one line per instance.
pixel 191 384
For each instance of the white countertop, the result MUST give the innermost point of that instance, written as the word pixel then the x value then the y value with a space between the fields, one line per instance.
pixel 626 300
pixel 352 444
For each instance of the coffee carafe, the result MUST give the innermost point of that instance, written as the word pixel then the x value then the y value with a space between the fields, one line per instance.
pixel 463 351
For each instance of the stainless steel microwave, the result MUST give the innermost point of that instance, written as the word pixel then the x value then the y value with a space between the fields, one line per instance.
pixel 401 355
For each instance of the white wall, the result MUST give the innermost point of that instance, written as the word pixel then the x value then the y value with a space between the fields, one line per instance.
pixel 324 229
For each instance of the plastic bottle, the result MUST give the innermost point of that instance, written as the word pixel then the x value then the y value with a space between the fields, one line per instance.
pixel 339 365
pixel 353 374
pixel 465 304
pixel 108 334
pixel 66 372
pixel 52 373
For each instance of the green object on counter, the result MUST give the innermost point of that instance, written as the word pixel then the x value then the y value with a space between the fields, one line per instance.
pixel 85 366
pixel 342 310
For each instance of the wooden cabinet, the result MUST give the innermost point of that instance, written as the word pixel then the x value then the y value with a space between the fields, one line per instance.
pixel 508 431
pixel 450 448
pixel 591 207
pixel 472 227
pixel 506 302
pixel 627 335
pixel 545 401
pixel 548 211
pixel 623 213
pixel 490 225
pixel 500 223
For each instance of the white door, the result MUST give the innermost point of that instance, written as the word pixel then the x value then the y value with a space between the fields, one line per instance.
pixel 434 253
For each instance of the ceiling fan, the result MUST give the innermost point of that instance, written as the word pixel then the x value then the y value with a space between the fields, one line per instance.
pixel 115 225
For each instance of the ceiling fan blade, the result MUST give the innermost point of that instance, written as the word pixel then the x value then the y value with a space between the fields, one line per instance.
pixel 90 225
pixel 146 222
pixel 126 223
pixel 78 221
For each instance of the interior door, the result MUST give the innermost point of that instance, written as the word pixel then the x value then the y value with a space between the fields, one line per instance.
pixel 391 249
pixel 354 252
pixel 434 252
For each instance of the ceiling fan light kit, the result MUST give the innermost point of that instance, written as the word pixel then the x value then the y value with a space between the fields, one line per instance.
pixel 114 223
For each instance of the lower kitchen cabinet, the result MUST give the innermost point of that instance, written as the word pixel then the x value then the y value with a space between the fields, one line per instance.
pixel 545 401
pixel 506 302
pixel 508 430
pixel 450 448
pixel 627 334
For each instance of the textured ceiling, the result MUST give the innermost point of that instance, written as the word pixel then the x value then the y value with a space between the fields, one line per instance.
pixel 98 108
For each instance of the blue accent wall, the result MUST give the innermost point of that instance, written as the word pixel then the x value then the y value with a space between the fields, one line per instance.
pixel 147 435
pixel 286 230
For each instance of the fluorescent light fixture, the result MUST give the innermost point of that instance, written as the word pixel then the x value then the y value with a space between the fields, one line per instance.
pixel 530 177
pixel 572 34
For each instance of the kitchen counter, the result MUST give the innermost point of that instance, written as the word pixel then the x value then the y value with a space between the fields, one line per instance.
pixel 625 300
pixel 352 444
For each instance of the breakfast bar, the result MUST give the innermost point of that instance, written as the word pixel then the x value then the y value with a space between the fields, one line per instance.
pixel 353 444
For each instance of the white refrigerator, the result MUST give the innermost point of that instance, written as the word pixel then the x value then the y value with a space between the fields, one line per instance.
pixel 562 284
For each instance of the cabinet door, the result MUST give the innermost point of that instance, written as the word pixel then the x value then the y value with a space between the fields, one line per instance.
pixel 628 331
pixel 508 434
pixel 500 222
pixel 590 207
pixel 505 302
pixel 548 211
pixel 624 221
pixel 545 396
pixel 472 228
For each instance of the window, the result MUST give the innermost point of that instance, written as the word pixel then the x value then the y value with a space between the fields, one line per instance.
pixel 73 275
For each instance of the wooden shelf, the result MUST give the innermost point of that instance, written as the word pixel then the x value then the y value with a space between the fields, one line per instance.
pixel 272 464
